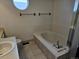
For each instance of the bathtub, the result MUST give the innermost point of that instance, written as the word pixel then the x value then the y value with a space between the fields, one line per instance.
pixel 46 41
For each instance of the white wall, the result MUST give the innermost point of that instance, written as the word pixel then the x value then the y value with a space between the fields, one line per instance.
pixel 23 27
pixel 62 18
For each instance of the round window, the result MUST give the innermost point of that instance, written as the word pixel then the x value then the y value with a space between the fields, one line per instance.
pixel 21 4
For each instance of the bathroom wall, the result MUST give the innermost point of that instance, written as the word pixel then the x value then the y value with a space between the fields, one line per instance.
pixel 24 26
pixel 63 10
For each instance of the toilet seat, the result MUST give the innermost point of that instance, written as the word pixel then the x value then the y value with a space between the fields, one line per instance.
pixel 18 41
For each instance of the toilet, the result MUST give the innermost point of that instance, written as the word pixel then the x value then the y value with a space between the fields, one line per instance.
pixel 18 41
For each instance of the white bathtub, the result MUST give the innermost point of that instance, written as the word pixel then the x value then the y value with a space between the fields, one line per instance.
pixel 46 40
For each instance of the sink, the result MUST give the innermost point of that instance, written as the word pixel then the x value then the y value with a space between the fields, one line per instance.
pixel 6 47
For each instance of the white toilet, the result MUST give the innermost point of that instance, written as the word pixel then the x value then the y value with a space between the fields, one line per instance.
pixel 18 41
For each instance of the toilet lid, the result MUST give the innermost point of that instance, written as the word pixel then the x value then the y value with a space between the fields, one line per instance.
pixel 18 40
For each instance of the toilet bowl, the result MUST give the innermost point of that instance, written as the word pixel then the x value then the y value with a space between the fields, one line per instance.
pixel 18 41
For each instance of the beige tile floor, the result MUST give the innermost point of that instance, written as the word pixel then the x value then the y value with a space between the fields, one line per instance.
pixel 33 52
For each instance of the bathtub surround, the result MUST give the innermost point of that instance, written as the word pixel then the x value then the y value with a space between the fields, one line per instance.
pixel 62 23
pixel 48 47
pixel 23 27
pixel 63 10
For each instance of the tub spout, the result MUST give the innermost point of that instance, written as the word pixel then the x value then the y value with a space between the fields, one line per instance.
pixel 58 44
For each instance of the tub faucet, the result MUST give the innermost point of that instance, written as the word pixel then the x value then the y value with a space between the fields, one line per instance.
pixel 58 45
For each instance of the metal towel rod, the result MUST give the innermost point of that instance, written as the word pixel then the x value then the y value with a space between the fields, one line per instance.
pixel 27 14
pixel 44 14
pixel 34 14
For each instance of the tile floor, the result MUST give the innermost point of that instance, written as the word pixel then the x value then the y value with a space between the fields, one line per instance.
pixel 33 52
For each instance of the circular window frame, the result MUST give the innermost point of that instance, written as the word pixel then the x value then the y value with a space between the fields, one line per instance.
pixel 20 8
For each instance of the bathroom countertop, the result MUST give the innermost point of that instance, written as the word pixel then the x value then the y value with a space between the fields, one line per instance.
pixel 14 53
